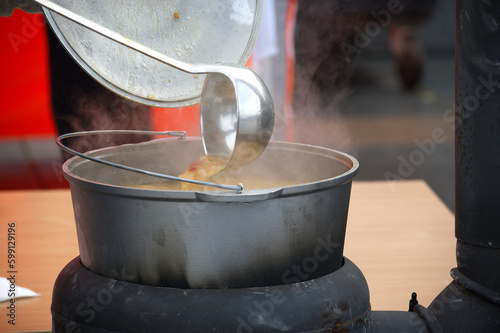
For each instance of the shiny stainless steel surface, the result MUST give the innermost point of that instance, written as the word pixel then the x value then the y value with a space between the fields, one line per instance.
pixel 237 110
pixel 237 116
pixel 215 32
pixel 212 239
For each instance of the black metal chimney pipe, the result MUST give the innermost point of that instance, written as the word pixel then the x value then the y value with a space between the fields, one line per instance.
pixel 471 303
pixel 477 141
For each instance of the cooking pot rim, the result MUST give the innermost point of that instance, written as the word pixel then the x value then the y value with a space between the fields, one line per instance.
pixel 215 195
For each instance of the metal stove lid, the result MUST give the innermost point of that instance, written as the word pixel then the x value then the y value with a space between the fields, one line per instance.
pixel 194 31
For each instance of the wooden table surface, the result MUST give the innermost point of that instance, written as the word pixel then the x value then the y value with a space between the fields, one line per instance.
pixel 399 234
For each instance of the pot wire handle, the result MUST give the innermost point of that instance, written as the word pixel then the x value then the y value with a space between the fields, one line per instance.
pixel 181 134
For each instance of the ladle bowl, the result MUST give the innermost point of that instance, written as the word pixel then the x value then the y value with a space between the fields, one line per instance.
pixel 237 116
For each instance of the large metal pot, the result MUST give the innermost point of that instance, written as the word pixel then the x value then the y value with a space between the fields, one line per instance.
pixel 211 239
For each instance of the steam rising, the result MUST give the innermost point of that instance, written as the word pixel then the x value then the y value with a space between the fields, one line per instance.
pixel 100 109
pixel 322 73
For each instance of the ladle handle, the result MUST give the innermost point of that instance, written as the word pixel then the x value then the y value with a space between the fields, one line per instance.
pixel 238 188
pixel 183 66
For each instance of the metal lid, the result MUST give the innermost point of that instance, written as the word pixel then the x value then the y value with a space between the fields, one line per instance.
pixel 194 31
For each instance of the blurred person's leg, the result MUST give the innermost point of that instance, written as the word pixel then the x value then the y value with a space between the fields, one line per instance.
pixel 325 46
pixel 322 66
pixel 404 41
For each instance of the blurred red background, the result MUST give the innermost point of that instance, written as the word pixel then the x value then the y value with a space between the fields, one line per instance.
pixel 25 86
pixel 25 105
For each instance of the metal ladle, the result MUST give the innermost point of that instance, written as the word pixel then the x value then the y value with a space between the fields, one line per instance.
pixel 237 111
